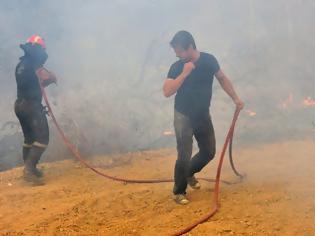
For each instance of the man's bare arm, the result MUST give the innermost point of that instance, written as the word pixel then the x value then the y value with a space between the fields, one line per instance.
pixel 46 77
pixel 228 88
pixel 171 86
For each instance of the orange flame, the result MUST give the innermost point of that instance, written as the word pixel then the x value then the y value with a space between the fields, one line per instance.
pixel 250 113
pixel 168 133
pixel 309 102
pixel 285 104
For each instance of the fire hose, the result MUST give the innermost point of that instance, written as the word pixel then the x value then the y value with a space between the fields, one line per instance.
pixel 216 204
pixel 216 200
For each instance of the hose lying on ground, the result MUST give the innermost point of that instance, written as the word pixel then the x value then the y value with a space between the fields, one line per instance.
pixel 215 206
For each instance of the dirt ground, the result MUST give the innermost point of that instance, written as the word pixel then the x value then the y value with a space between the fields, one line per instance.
pixel 277 198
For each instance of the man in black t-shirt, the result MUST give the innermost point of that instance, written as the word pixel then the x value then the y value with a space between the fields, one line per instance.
pixel 191 78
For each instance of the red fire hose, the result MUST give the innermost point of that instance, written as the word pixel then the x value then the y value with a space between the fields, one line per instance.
pixel 217 181
pixel 216 201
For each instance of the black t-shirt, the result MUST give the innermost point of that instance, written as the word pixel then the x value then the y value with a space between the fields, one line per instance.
pixel 27 82
pixel 194 96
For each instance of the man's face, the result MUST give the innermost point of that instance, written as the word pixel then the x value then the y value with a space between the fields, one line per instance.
pixel 183 54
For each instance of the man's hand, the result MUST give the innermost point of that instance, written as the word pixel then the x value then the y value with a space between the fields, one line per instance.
pixel 239 104
pixel 46 77
pixel 188 68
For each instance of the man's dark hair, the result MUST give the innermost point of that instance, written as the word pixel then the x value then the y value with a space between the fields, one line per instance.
pixel 183 39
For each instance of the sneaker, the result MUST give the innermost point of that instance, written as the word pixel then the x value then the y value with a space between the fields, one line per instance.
pixel 193 182
pixel 181 199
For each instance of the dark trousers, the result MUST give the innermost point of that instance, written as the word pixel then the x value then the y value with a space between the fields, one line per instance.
pixel 33 121
pixel 185 129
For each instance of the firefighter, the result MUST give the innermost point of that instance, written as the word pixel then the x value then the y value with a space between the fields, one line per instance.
pixel 31 76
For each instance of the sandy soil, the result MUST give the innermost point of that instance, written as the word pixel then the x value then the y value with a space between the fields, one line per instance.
pixel 277 198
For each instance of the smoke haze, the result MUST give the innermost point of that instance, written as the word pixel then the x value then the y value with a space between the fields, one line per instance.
pixel 111 58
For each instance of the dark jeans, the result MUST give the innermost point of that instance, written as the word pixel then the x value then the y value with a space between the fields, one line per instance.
pixel 185 129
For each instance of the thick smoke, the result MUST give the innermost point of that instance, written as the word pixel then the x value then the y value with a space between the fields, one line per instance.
pixel 111 58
